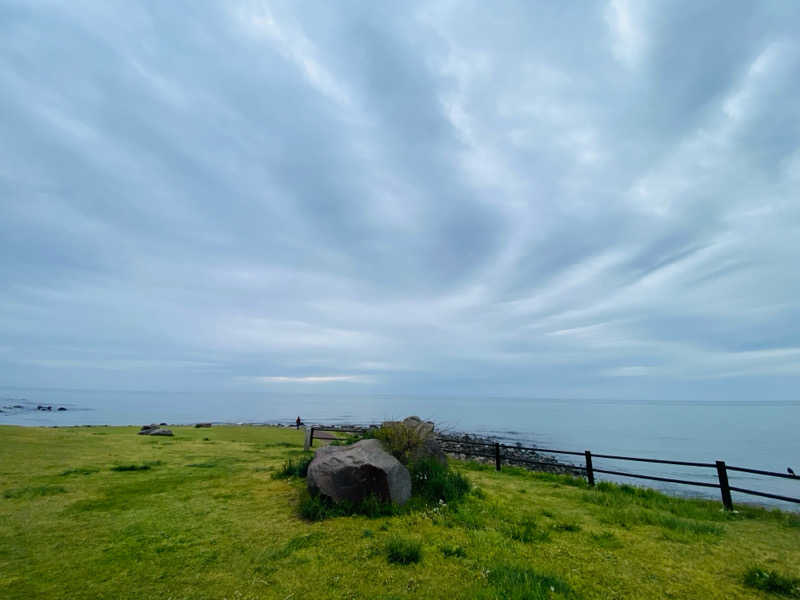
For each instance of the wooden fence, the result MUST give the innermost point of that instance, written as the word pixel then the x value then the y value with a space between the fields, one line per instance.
pixel 497 451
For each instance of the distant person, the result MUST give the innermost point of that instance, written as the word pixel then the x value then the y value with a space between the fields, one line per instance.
pixel 297 423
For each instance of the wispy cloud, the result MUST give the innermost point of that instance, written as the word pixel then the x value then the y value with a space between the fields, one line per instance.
pixel 474 198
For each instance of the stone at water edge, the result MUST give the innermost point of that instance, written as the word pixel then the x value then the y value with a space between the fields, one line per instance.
pixel 358 471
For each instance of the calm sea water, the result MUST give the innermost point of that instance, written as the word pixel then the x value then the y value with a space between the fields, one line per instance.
pixel 757 434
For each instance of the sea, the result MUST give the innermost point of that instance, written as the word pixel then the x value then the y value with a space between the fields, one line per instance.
pixel 759 434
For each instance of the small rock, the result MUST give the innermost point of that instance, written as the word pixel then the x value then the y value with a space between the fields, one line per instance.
pixel 162 432
pixel 202 424
pixel 61 409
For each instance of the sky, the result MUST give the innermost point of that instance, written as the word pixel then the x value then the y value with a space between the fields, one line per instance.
pixel 530 199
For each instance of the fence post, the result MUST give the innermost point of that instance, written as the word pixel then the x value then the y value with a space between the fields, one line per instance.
pixel 309 441
pixel 724 488
pixel 497 456
pixel 589 468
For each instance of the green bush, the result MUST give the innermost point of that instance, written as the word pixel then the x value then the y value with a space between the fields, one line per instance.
pixel 772 582
pixel 403 551
pixel 398 440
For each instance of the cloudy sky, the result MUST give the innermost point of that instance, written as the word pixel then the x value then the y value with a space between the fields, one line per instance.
pixel 532 198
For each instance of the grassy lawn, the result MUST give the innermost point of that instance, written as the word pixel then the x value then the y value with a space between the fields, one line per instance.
pixel 101 512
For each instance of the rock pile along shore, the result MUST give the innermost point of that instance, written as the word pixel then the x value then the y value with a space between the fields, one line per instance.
pixel 465 446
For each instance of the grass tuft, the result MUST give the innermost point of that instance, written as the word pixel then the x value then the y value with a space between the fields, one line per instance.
pixel 294 468
pixel 403 551
pixel 606 540
pixel 511 582
pixel 433 482
pixel 134 467
pixel 772 582
pixel 527 532
pixel 33 491
pixel 319 508
pixel 80 471
pixel 449 551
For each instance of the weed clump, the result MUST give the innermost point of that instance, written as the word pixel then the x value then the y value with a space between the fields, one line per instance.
pixel 80 471
pixel 403 551
pixel 34 491
pixel 433 482
pixel 293 468
pixel 133 467
pixel 772 582
pixel 511 582
pixel 319 508
pixel 527 532
pixel 453 551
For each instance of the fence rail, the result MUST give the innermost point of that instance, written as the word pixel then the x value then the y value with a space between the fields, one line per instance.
pixel 497 451
pixel 589 470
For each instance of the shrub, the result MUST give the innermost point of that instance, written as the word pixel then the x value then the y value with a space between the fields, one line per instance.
pixel 434 482
pixel 400 441
pixel 293 468
pixel 772 582
pixel 403 551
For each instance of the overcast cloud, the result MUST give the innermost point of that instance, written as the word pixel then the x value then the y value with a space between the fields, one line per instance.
pixel 596 200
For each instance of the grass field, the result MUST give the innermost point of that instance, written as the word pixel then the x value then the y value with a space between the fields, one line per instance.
pixel 100 512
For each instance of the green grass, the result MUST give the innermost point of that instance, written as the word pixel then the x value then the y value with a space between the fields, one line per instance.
pixel 403 551
pixel 134 467
pixel 772 582
pixel 207 520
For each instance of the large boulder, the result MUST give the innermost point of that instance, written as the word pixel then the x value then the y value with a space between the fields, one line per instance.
pixel 358 471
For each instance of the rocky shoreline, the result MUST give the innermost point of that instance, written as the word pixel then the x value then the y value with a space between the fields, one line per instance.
pixel 470 446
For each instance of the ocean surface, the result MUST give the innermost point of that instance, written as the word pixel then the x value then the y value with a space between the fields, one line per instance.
pixel 755 434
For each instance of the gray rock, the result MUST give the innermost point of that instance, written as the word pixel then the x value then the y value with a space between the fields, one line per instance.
pixel 162 432
pixel 148 429
pixel 357 471
pixel 423 439
pixel 422 428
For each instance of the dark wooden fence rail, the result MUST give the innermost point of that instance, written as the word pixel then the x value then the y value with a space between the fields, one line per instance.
pixel 495 450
